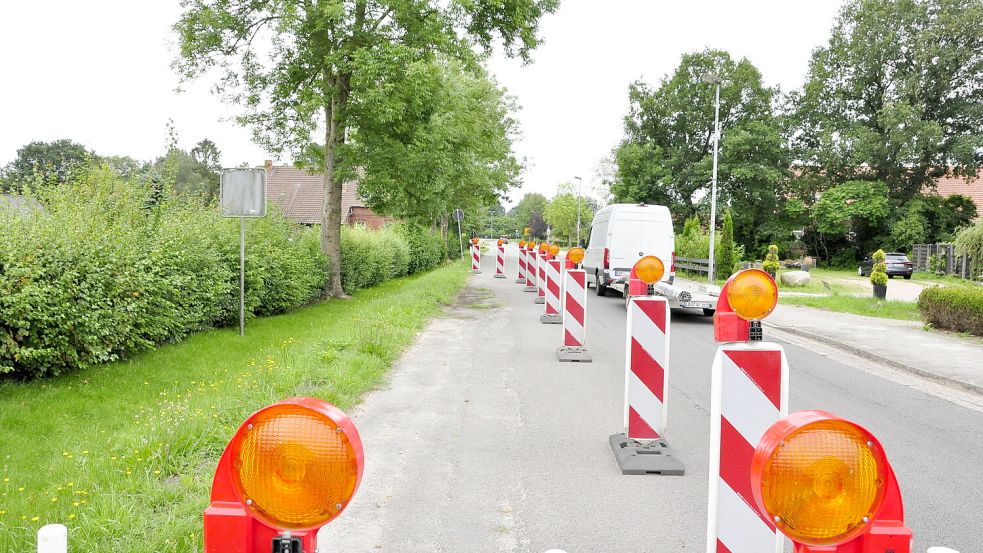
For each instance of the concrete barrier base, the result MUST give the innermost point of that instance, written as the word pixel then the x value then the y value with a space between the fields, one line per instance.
pixel 540 299
pixel 550 319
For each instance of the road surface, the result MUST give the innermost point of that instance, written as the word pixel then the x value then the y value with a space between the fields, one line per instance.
pixel 482 441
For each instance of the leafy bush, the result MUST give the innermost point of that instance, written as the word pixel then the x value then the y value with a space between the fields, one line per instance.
pixel 427 249
pixel 958 308
pixel 727 255
pixel 109 267
pixel 878 274
pixel 771 264
pixel 371 257
pixel 969 241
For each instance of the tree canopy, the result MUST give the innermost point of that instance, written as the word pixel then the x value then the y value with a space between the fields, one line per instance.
pixel 317 62
pixel 45 162
pixel 666 155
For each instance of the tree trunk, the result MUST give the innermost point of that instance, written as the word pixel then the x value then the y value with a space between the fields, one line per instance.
pixel 331 213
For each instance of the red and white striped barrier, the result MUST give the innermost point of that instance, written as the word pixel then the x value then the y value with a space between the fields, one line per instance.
pixel 475 258
pixel 574 306
pixel 541 259
pixel 552 287
pixel 500 262
pixel 748 393
pixel 521 262
pixel 642 448
pixel 532 262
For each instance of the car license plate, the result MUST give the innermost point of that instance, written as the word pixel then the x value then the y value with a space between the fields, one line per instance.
pixel 697 304
pixel 620 272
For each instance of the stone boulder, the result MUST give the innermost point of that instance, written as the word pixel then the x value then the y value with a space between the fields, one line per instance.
pixel 795 278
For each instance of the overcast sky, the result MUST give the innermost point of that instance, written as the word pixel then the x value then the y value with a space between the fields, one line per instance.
pixel 98 72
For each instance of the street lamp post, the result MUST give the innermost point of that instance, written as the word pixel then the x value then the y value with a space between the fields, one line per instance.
pixel 713 79
pixel 580 183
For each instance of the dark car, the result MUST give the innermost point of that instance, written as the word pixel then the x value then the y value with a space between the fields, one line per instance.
pixel 898 264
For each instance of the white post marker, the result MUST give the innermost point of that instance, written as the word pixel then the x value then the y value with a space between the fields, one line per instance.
pixel 500 261
pixel 531 269
pixel 521 262
pixel 574 317
pixel 748 394
pixel 552 314
pixel 476 259
pixel 53 538
pixel 642 448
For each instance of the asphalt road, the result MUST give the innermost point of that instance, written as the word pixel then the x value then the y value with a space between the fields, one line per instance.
pixel 482 441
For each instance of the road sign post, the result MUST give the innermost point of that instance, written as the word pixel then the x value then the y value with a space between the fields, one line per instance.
pixel 458 216
pixel 242 194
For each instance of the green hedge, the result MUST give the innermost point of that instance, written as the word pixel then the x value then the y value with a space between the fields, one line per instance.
pixel 958 308
pixel 370 257
pixel 103 270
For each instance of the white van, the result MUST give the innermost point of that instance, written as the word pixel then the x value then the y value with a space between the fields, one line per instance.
pixel 620 235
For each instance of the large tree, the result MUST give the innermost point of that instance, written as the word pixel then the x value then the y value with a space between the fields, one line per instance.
pixel 532 204
pixel 295 66
pixel 894 100
pixel 432 138
pixel 896 95
pixel 50 162
pixel 666 155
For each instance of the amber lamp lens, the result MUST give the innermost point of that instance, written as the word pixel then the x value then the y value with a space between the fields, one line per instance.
pixel 543 247
pixel 649 269
pixel 576 255
pixel 499 242
pixel 823 481
pixel 295 466
pixel 522 243
pixel 752 294
pixel 554 249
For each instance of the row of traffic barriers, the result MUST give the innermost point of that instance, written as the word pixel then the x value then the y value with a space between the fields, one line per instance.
pixel 822 481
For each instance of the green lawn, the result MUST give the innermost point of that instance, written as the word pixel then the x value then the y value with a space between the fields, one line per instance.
pixel 124 453
pixel 889 309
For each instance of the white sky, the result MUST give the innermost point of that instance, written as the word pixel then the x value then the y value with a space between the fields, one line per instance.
pixel 98 72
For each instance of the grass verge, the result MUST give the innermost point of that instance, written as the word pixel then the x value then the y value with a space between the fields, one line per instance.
pixel 124 453
pixel 889 309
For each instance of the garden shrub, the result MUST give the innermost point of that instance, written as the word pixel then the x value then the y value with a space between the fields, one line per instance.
pixel 771 264
pixel 958 308
pixel 427 249
pixel 107 268
pixel 878 273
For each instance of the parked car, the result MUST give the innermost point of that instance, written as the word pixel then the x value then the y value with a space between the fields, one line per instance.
pixel 898 264
pixel 620 235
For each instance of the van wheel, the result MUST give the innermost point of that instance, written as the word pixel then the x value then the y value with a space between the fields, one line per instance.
pixel 602 289
pixel 709 312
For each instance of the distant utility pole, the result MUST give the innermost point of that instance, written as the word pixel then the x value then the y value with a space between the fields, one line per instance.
pixel 713 79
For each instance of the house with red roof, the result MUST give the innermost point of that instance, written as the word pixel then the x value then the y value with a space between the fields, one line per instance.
pixel 973 189
pixel 300 194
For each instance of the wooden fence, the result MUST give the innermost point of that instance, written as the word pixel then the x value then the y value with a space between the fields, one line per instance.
pixel 948 262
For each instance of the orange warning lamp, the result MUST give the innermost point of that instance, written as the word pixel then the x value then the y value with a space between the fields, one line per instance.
pixel 649 269
pixel 522 244
pixel 543 246
pixel 500 243
pixel 474 241
pixel 752 294
pixel 576 255
pixel 554 249
pixel 826 483
pixel 291 468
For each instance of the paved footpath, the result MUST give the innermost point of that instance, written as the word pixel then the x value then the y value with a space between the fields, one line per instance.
pixel 483 442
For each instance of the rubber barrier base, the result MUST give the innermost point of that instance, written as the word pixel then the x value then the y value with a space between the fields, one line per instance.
pixel 649 457
pixel 573 354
